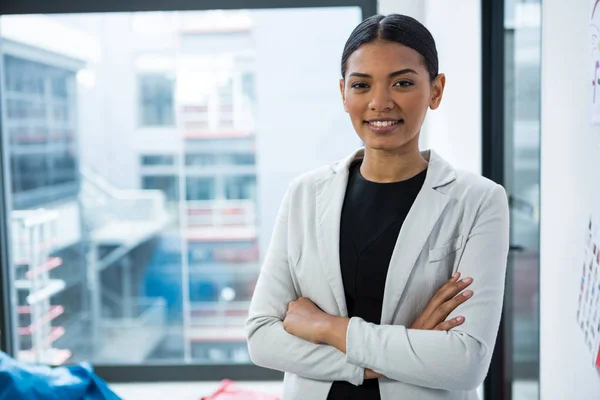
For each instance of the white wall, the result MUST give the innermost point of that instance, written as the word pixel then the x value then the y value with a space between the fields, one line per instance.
pixel 301 123
pixel 454 130
pixel 570 163
pixel 413 8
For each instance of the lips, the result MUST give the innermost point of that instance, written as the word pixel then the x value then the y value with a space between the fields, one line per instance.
pixel 383 125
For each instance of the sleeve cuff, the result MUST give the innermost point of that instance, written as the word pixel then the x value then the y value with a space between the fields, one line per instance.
pixel 354 350
pixel 358 377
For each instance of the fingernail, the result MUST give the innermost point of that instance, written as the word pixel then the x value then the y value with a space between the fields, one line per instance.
pixel 468 293
pixel 460 319
pixel 467 280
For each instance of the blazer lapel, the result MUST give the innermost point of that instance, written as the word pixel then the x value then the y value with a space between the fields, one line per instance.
pixel 330 194
pixel 420 221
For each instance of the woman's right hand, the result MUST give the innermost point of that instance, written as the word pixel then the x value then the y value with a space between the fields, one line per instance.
pixel 445 300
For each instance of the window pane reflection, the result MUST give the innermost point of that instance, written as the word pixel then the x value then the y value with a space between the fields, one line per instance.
pixel 134 174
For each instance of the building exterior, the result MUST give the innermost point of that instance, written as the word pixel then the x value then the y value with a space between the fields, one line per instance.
pixel 170 243
pixel 174 193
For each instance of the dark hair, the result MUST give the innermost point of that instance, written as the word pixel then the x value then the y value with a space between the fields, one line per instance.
pixel 394 28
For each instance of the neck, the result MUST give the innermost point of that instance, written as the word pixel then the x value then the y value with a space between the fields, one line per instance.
pixel 392 166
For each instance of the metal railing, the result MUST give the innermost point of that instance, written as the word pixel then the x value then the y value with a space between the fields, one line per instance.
pixel 33 234
pixel 104 203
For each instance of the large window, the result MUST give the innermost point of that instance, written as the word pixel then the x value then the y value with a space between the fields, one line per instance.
pixel 141 247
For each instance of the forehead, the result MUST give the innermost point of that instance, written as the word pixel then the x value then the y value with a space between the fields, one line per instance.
pixel 385 57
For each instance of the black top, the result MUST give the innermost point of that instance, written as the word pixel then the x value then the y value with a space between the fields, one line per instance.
pixel 371 219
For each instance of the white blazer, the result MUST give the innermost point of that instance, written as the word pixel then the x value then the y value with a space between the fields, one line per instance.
pixel 459 222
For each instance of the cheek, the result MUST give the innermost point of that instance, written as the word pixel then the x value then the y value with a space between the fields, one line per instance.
pixel 413 105
pixel 353 112
pixel 355 107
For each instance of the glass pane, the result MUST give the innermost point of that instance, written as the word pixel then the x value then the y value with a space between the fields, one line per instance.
pixel 156 159
pixel 522 180
pixel 149 153
pixel 156 100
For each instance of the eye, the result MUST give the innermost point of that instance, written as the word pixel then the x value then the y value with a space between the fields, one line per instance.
pixel 404 83
pixel 359 85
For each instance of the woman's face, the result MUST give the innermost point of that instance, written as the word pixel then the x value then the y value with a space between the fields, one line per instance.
pixel 387 91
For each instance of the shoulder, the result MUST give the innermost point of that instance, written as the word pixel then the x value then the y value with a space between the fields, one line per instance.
pixel 477 190
pixel 308 180
pixel 466 180
pixel 464 186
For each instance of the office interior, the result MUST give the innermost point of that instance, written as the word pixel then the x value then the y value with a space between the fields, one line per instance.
pixel 145 149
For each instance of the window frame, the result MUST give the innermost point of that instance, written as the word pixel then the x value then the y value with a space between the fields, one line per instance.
pixel 499 380
pixel 145 372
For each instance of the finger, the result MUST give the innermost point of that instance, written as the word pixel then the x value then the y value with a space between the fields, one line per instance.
pixel 453 287
pixel 452 323
pixel 432 315
pixel 447 307
pixel 450 290
pixel 447 292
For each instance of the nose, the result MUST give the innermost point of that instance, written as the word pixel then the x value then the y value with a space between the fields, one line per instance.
pixel 381 100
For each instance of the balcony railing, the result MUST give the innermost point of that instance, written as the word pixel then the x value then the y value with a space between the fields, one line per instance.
pixel 105 203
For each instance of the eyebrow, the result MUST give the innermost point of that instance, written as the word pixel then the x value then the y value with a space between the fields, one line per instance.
pixel 392 75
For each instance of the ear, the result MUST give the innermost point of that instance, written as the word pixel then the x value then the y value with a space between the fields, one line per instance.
pixel 342 85
pixel 437 91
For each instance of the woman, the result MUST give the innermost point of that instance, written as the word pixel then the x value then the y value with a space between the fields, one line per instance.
pixel 360 295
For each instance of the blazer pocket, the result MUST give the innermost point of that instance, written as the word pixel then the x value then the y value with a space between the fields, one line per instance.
pixel 440 253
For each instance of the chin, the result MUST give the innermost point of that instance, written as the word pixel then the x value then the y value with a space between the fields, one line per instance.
pixel 390 141
pixel 385 143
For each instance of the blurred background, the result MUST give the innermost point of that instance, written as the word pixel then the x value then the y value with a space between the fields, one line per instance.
pixel 147 153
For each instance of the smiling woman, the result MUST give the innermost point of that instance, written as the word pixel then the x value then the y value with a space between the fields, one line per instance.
pixel 360 294
pixel 389 80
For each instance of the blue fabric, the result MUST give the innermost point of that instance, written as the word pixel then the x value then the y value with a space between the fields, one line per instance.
pixel 19 381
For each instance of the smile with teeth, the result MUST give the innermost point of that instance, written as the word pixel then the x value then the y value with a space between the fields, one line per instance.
pixel 382 123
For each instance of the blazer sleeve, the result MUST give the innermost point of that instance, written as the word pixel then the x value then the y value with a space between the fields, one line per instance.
pixel 458 359
pixel 269 345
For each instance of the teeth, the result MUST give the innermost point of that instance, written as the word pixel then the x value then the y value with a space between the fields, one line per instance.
pixel 383 123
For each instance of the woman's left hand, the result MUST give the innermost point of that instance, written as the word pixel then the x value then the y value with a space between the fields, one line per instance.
pixel 305 320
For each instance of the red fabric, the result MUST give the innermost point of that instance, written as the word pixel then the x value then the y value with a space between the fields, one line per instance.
pixel 228 391
pixel 598 358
